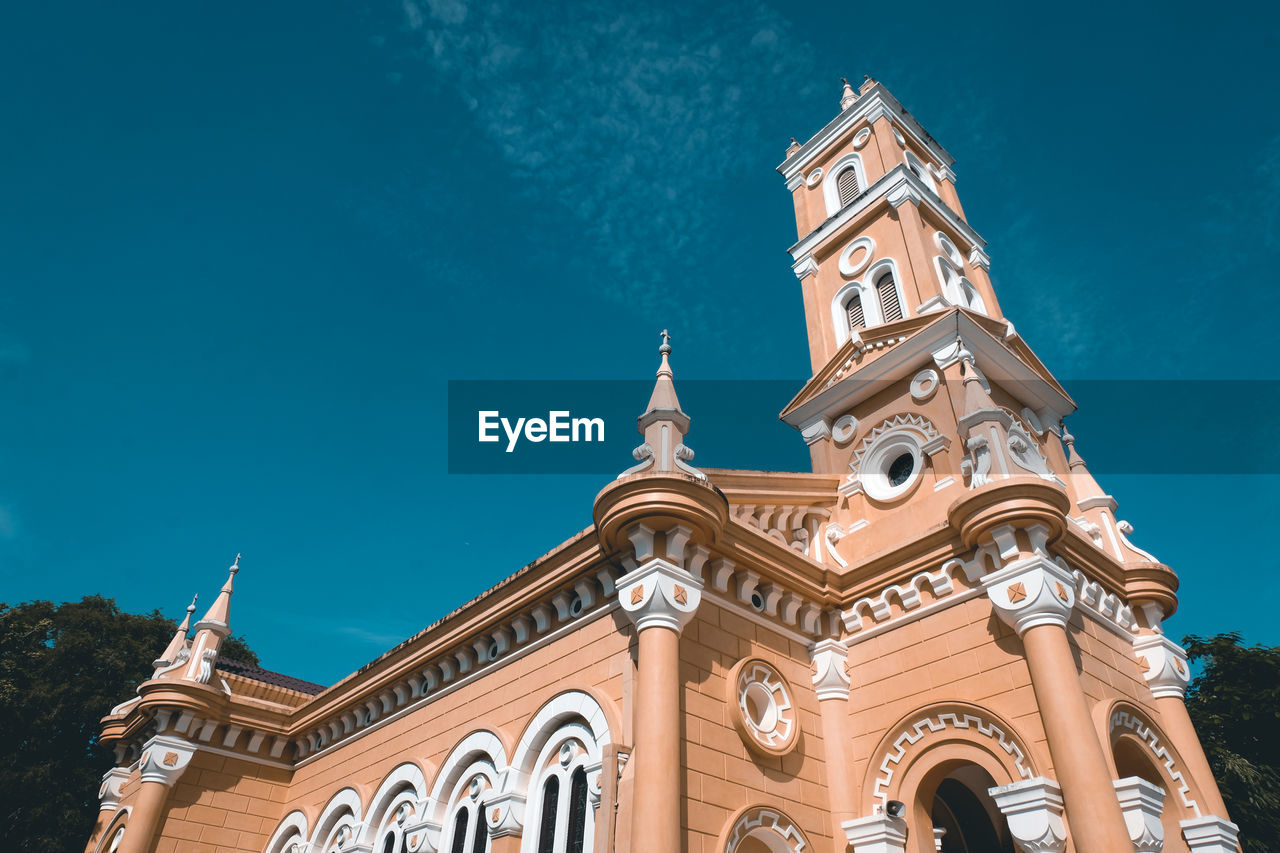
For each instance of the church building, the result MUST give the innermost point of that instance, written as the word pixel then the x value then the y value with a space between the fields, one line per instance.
pixel 940 638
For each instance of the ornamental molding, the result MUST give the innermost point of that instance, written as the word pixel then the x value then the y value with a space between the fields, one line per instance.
pixel 1033 809
pixel 870 615
pixel 878 833
pixel 830 660
pixel 763 707
pixel 765 601
pixel 927 724
pixel 1031 592
pixel 109 791
pixel 1142 804
pixel 794 526
pixel 774 828
pixel 165 758
pixel 660 594
pixel 1124 720
pixel 1164 665
pixel 806 266
pixel 504 814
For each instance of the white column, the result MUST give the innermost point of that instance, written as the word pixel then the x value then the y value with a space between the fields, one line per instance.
pixel 1033 809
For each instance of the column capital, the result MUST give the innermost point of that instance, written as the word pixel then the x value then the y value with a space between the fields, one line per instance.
pixel 903 193
pixel 165 758
pixel 876 834
pixel 1142 803
pixel 1165 661
pixel 1030 592
pixel 1211 834
pixel 504 813
pixel 109 792
pixel 1033 808
pixel 830 660
pixel 660 594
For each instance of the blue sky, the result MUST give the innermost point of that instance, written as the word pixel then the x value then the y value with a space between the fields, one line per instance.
pixel 244 246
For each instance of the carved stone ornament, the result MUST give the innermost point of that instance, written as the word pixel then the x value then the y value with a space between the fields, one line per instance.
pixel 165 758
pixel 505 814
pixel 762 708
pixel 1142 803
pixel 109 792
pixel 1166 672
pixel 1211 834
pixel 830 669
pixel 660 594
pixel 1033 808
pixel 766 825
pixel 1030 592
pixel 876 834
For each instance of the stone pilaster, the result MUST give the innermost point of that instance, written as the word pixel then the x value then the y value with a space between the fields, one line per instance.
pixel 164 759
pixel 831 683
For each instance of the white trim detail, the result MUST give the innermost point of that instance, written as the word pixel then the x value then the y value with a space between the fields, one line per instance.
pixel 932 724
pixel 830 194
pixel 848 269
pixel 1123 719
pixel 292 830
pixel 768 826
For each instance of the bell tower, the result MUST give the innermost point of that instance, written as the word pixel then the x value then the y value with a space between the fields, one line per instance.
pixel 882 236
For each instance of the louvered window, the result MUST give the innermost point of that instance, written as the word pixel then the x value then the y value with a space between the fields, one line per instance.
pixel 847 186
pixel 887 293
pixel 857 319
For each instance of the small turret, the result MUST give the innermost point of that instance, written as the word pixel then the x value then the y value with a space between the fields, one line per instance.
pixel 178 645
pixel 211 631
pixel 847 97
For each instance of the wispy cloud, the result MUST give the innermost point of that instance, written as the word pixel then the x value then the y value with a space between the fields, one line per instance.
pixel 373 638
pixel 621 116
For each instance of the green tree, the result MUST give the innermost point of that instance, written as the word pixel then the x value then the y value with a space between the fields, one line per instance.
pixel 62 667
pixel 1235 705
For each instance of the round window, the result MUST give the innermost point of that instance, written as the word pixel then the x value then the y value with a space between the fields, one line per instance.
pixel 891 467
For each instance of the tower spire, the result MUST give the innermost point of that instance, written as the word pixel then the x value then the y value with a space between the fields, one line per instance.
pixel 664 426
pixel 179 641
pixel 218 617
pixel 847 96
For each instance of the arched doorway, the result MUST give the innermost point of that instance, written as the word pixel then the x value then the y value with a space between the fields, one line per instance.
pixel 969 818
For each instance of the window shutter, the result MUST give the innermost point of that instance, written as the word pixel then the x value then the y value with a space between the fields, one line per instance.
pixel 857 320
pixel 847 186
pixel 887 291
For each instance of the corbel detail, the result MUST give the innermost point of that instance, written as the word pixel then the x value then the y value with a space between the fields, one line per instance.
pixel 1033 808
pixel 1165 664
pixel 165 758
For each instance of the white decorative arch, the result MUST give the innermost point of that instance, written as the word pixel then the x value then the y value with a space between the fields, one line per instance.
pixel 343 810
pixel 563 708
pixel 770 827
pixel 921 171
pixel 481 747
pixel 829 193
pixel 405 784
pixel 1144 733
pixel 292 830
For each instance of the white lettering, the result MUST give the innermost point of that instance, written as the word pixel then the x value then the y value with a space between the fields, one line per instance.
pixel 487 423
pixel 587 424
pixel 535 429
pixel 559 426
pixel 513 435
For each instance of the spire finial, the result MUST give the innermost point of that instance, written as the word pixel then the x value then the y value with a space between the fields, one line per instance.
pixel 235 567
pixel 847 96
pixel 191 608
pixel 664 369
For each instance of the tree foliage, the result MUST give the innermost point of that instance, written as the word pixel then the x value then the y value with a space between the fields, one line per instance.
pixel 62 668
pixel 1235 706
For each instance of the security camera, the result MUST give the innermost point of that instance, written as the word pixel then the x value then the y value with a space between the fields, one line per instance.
pixel 895 808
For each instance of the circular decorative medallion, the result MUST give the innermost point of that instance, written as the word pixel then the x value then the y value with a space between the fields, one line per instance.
pixel 861 138
pixel 814 177
pixel 857 256
pixel 762 710
pixel 843 429
pixel 924 385
pixel 949 249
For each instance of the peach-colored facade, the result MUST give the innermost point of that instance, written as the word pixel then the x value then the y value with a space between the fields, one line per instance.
pixel 939 639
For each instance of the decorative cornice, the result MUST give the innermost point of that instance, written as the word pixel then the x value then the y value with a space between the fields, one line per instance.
pixel 660 594
pixel 978 258
pixel 806 266
pixel 504 814
pixel 1165 665
pixel 1033 808
pixel 165 758
pixel 1031 592
pixel 830 669
pixel 902 194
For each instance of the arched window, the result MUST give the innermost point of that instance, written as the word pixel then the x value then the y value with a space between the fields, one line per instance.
pixel 887 295
pixel 465 818
pixel 857 317
pixel 847 186
pixel 389 843
pixel 565 817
